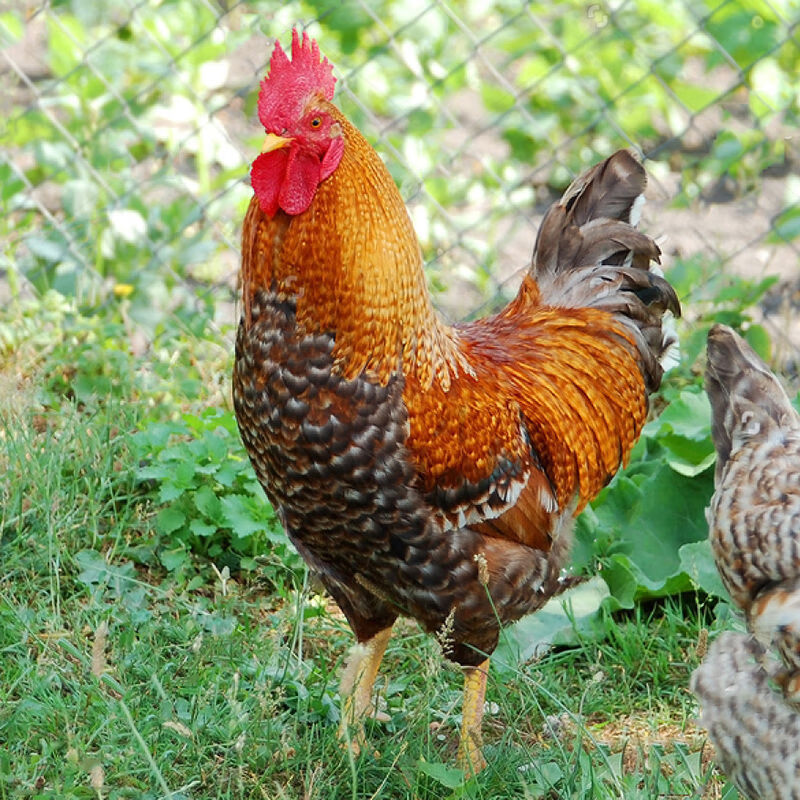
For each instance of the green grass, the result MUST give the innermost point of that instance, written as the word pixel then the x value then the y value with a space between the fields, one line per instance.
pixel 119 678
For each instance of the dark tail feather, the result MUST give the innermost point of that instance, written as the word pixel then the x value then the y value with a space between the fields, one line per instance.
pixel 589 254
pixel 611 191
pixel 745 396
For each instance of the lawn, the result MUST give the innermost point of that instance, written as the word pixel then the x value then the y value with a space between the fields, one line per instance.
pixel 120 678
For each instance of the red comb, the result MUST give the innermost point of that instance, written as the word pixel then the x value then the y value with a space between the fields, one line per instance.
pixel 286 88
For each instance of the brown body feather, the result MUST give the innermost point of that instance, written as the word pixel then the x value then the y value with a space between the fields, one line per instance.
pixel 754 528
pixel 400 452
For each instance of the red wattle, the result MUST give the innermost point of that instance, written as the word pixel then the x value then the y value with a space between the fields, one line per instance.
pixel 266 177
pixel 288 179
pixel 302 179
pixel 285 179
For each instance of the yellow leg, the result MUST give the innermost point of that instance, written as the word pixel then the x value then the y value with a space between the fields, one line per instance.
pixel 470 757
pixel 355 688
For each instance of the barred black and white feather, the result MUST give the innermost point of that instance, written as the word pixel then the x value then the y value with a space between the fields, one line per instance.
pixel 749 686
pixel 754 731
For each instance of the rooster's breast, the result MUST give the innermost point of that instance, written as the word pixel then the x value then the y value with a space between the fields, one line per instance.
pixel 327 450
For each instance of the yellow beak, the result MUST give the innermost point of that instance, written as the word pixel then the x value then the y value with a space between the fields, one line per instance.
pixel 274 142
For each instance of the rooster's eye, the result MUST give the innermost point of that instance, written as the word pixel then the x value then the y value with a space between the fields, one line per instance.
pixel 316 122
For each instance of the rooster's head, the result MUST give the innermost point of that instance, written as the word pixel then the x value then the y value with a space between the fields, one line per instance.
pixel 304 141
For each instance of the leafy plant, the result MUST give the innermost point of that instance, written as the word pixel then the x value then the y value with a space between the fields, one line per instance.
pixel 209 500
pixel 625 536
pixel 709 295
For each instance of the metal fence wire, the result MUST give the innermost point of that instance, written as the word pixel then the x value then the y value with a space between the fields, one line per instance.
pixel 128 127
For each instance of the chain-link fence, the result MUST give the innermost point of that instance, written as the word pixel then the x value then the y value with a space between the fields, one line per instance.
pixel 128 126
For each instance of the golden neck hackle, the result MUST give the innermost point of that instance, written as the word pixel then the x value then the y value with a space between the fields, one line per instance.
pixel 353 263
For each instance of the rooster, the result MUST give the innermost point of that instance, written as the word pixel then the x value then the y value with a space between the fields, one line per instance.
pixel 754 528
pixel 422 469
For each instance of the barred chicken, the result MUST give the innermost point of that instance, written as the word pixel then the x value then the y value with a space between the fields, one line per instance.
pixel 749 685
pixel 423 469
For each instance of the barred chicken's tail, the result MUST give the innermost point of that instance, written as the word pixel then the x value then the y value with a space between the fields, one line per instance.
pixel 755 733
pixel 589 254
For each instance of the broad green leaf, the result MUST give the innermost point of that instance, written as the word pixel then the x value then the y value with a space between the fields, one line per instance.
pixel 684 429
pixel 241 515
pixel 183 473
pixel 745 36
pixel 155 472
pixel 727 147
pixel 650 522
pixel 218 443
pixel 623 582
pixel 669 514
pixel 697 561
pixel 772 88
pixel 547 775
pixel 169 519
pixel 229 471
pixel 206 469
pixel 687 457
pixel 169 492
pixel 94 567
pixel 46 249
pixel 173 559
pixel 66 40
pixel 447 776
pixel 688 416
pixel 218 624
pixel 617 504
pixel 523 146
pixel 11 184
pixel 745 292
pixel 208 503
pixel 559 621
pixel 202 529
